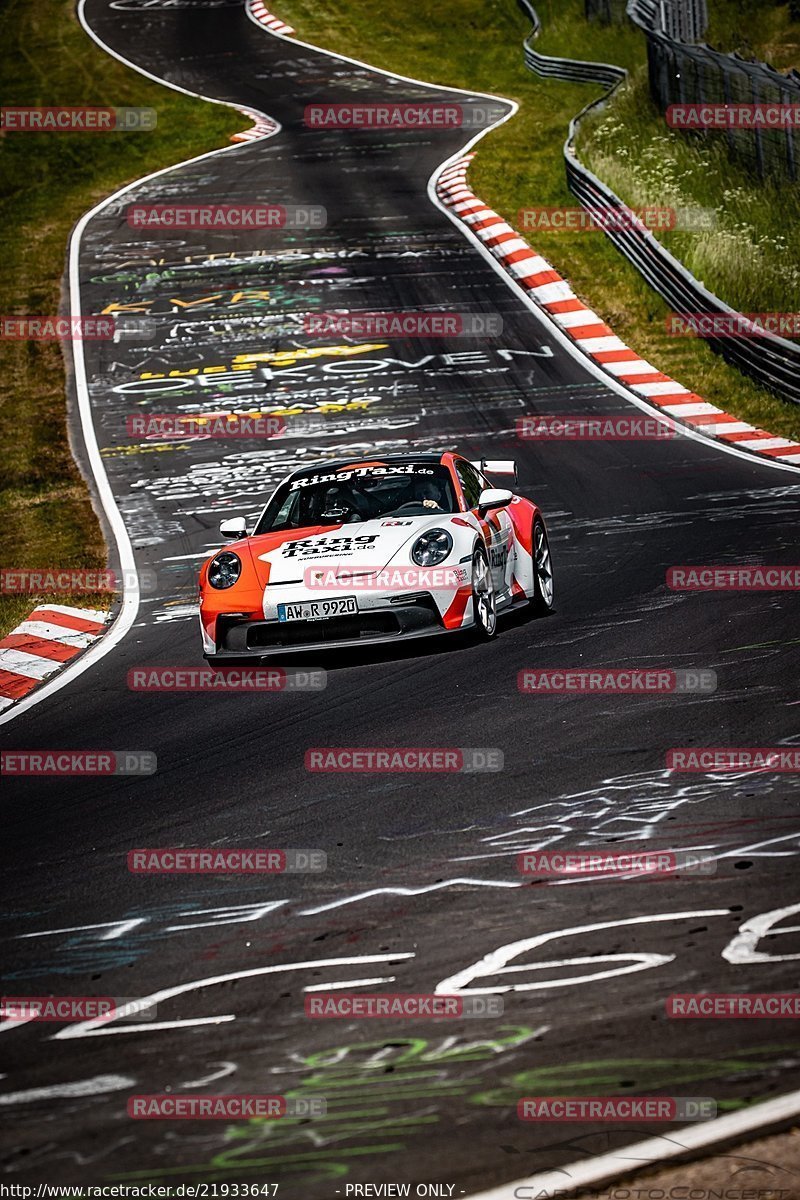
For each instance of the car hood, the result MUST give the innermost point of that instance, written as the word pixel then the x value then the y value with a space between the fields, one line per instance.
pixel 282 558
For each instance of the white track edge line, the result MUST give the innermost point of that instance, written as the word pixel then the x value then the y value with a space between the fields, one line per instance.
pixel 649 1153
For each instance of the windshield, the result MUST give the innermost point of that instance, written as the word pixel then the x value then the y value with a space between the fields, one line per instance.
pixel 359 494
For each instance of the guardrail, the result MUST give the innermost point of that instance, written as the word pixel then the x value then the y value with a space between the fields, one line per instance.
pixel 771 361
pixel 682 73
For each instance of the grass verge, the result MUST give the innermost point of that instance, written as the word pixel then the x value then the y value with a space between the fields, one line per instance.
pixel 48 181
pixel 520 164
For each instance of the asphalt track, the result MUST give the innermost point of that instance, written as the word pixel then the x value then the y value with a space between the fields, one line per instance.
pixel 421 880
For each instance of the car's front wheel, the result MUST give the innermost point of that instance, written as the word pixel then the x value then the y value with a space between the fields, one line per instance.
pixel 484 600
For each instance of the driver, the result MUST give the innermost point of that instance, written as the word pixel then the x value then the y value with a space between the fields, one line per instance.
pixel 345 504
pixel 429 493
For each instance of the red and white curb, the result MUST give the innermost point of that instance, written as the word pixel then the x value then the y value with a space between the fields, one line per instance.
pixel 263 126
pixel 265 17
pixel 589 332
pixel 41 646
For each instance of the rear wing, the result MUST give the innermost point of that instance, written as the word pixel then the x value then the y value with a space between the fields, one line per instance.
pixel 497 466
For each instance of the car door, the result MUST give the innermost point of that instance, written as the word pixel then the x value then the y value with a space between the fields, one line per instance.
pixel 496 525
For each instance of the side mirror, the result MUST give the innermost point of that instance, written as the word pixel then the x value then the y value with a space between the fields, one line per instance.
pixel 494 498
pixel 236 527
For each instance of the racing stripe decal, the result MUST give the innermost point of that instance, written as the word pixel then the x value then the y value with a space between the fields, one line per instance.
pixel 457 614
pixel 52 636
pixel 592 335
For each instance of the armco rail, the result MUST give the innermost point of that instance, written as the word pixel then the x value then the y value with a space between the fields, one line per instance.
pixel 771 361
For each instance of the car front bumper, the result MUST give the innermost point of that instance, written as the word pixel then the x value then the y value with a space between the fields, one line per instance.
pixel 237 638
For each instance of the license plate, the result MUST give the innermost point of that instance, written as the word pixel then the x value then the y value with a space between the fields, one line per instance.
pixel 316 610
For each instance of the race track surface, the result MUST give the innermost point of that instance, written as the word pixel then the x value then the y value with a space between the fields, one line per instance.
pixel 421 881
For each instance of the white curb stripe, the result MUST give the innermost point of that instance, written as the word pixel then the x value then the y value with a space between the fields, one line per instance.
pixel 30 665
pixel 647 1154
pixel 56 633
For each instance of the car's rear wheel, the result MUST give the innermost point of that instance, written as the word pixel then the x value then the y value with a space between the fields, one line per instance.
pixel 484 600
pixel 543 589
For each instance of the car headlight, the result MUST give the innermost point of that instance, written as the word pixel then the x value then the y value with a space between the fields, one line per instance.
pixel 224 570
pixel 431 548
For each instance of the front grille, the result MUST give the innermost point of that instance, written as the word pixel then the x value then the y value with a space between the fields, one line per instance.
pixel 334 629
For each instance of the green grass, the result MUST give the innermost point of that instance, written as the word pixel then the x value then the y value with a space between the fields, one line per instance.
pixel 48 181
pixel 521 165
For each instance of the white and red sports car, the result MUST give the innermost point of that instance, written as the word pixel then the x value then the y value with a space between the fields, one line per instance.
pixel 350 552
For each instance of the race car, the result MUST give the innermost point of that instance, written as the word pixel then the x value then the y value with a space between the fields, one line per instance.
pixel 350 552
